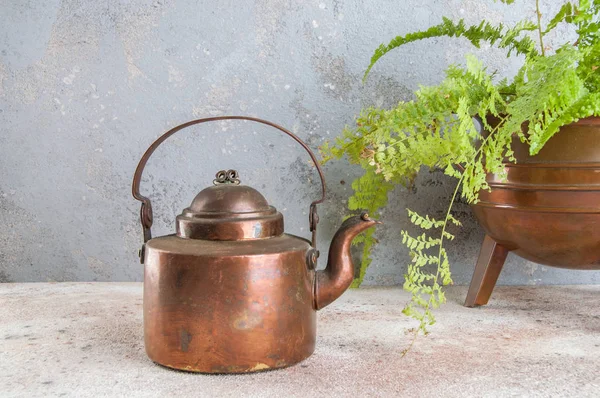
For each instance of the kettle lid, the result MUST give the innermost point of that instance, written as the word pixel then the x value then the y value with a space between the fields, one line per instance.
pixel 229 211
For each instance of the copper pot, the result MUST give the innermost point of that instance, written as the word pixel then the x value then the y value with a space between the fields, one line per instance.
pixel 230 292
pixel 546 211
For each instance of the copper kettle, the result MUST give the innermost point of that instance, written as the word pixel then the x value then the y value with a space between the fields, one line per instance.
pixel 230 292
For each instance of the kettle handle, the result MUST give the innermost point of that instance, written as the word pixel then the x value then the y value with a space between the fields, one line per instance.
pixel 146 209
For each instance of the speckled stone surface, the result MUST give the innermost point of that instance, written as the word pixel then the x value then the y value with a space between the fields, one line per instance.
pixel 86 340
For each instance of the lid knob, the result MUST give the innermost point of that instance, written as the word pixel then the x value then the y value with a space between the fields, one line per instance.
pixel 227 177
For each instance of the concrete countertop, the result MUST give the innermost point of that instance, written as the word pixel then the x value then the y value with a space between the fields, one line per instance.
pixel 86 339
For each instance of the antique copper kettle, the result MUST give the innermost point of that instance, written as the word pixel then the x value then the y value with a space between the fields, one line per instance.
pixel 230 292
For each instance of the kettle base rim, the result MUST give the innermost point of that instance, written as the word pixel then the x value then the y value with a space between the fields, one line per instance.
pixel 260 367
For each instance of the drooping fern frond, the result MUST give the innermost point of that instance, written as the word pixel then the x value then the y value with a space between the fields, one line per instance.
pixel 426 286
pixel 367 240
pixel 507 38
pixel 370 194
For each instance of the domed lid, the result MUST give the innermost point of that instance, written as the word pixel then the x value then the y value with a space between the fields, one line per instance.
pixel 229 198
pixel 229 211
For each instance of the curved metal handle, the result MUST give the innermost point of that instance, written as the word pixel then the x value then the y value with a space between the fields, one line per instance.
pixel 146 209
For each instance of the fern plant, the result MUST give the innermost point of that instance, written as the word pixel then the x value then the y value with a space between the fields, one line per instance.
pixel 438 129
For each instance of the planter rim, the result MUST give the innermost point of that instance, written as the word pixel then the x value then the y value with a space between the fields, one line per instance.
pixel 588 121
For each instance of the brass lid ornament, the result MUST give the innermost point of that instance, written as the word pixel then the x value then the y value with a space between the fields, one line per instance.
pixel 227 177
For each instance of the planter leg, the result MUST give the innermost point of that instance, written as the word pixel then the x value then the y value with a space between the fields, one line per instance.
pixel 489 264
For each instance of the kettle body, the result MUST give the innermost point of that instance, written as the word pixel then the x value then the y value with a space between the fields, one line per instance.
pixel 230 291
pixel 228 307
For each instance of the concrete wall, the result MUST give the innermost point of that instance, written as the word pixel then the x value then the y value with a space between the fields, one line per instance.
pixel 85 87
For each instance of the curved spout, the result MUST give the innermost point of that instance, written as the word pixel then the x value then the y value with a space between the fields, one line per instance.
pixel 331 282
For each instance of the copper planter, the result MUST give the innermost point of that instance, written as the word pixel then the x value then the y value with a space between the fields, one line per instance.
pixel 546 211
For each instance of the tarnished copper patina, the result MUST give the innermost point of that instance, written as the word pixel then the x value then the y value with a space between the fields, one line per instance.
pixel 547 210
pixel 230 292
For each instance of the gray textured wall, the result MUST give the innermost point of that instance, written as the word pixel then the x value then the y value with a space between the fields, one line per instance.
pixel 85 86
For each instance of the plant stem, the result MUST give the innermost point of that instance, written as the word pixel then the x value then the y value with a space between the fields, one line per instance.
pixel 539 24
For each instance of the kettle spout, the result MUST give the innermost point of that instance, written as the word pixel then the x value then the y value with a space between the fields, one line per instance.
pixel 331 282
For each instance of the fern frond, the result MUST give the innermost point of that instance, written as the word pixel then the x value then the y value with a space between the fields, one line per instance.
pixel 507 38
